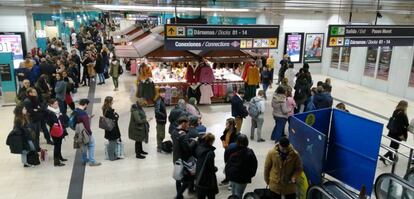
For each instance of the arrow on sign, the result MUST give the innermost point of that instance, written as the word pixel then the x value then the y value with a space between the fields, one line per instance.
pixel 171 30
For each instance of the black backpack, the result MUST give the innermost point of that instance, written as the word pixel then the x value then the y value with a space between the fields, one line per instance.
pixel 167 146
pixel 33 158
pixel 15 141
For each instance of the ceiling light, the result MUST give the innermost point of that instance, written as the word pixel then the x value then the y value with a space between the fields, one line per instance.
pixel 169 8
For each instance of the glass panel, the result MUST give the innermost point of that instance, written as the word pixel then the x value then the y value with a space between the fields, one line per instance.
pixel 346 56
pixel 384 63
pixel 371 61
pixel 335 57
pixel 411 83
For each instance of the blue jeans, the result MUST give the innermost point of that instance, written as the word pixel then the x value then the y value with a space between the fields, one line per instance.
pixel 279 129
pixel 237 189
pixel 89 149
pixel 265 87
pixel 101 77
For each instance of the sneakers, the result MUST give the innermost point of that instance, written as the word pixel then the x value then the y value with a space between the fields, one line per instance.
pixel 63 159
pixel 251 138
pixel 95 164
pixel 59 164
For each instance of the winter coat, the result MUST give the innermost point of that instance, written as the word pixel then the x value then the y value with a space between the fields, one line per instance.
pixel 241 165
pixel 52 119
pixel 138 125
pixel 302 88
pixel 233 137
pixel 43 90
pixel 114 134
pixel 266 77
pixel 175 114
pixel 83 117
pixel 237 107
pixel 291 75
pixel 33 109
pixel 182 145
pixel 278 173
pixel 60 90
pixel 206 180
pixel 253 76
pixel 114 69
pixel 279 104
pixel 99 65
pixel 160 111
pixel 400 126
pixel 322 100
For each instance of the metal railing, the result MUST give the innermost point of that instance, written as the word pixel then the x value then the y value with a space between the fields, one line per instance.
pixel 317 192
pixel 398 154
pixel 398 188
pixel 341 188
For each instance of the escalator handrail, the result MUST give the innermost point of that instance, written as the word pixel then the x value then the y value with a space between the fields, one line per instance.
pixel 342 188
pixel 320 189
pixel 395 178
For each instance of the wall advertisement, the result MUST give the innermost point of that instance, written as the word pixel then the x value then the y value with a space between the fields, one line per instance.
pixel 293 46
pixel 313 48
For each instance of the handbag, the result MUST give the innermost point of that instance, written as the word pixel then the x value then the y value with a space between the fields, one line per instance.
pixel 190 165
pixel 178 172
pixel 106 123
pixel 57 130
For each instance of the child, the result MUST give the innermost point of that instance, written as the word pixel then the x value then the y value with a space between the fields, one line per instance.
pixel 341 106
pixel 290 102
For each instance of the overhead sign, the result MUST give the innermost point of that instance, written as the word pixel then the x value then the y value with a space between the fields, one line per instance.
pixel 220 37
pixel 369 35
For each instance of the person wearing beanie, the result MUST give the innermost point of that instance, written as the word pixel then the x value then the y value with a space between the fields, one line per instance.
pixel 283 167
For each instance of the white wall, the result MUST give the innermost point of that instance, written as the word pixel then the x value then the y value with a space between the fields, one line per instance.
pixel 16 20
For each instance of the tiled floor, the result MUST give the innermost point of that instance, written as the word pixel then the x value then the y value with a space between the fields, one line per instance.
pixel 151 178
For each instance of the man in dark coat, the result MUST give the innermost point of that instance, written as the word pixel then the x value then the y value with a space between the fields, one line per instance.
pixel 238 110
pixel 241 165
pixel 161 117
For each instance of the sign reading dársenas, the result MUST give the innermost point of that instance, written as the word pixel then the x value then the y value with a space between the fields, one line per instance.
pixel 220 37
pixel 369 35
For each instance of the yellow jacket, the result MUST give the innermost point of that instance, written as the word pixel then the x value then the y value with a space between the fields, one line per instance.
pixel 253 76
pixel 278 174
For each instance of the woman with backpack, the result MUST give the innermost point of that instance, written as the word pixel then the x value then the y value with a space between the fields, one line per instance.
pixel 115 70
pixel 256 112
pixel 113 135
pixel 55 120
pixel 22 125
pixel 398 127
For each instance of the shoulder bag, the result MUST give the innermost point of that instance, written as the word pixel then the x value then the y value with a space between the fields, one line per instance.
pixel 106 123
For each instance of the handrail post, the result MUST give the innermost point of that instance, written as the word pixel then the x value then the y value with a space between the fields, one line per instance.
pixel 409 160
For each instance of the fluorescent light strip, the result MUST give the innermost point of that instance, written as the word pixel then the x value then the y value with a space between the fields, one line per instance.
pixel 159 8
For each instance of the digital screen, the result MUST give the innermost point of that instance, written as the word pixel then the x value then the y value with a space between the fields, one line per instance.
pixel 313 48
pixel 293 46
pixel 16 45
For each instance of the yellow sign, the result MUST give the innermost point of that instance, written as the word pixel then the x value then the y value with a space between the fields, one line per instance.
pixel 273 43
pixel 243 44
pixel 310 119
pixel 171 31
pixel 333 41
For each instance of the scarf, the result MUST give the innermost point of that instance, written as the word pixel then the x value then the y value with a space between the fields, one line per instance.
pixel 55 111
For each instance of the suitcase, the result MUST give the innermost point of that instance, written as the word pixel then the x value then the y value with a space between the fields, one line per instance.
pixel 33 158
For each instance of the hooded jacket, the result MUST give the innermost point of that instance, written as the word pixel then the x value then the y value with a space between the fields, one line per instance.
pixel 278 173
pixel 241 165
pixel 138 125
pixel 206 179
pixel 280 108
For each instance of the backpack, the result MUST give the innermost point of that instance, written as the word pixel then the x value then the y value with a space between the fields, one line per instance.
pixel 390 125
pixel 121 70
pixel 253 109
pixel 72 120
pixel 167 146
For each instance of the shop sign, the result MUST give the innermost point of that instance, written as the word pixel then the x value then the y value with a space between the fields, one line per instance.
pixel 370 35
pixel 221 37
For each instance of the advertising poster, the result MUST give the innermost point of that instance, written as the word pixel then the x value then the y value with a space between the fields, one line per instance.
pixel 293 46
pixel 313 48
pixel 16 46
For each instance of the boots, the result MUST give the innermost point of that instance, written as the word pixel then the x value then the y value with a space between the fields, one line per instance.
pixel 57 163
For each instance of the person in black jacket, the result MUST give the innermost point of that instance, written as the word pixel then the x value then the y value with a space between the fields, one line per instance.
pixel 398 128
pixel 238 110
pixel 161 117
pixel 115 134
pixel 74 57
pixel 22 94
pixel 22 125
pixel 206 180
pixel 35 113
pixel 55 118
pixel 182 149
pixel 177 112
pixel 241 165
pixel 229 137
pixel 100 68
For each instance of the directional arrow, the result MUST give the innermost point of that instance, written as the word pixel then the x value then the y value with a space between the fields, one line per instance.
pixel 171 30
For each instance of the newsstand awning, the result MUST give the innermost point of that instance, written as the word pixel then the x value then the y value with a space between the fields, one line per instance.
pixel 124 31
pixel 162 55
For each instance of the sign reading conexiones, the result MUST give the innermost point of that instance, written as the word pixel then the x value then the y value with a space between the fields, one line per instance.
pixel 220 37
pixel 370 35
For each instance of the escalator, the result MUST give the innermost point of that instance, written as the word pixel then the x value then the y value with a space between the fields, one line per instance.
pixel 330 190
pixel 390 186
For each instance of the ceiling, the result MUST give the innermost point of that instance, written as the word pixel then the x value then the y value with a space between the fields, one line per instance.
pixel 396 6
